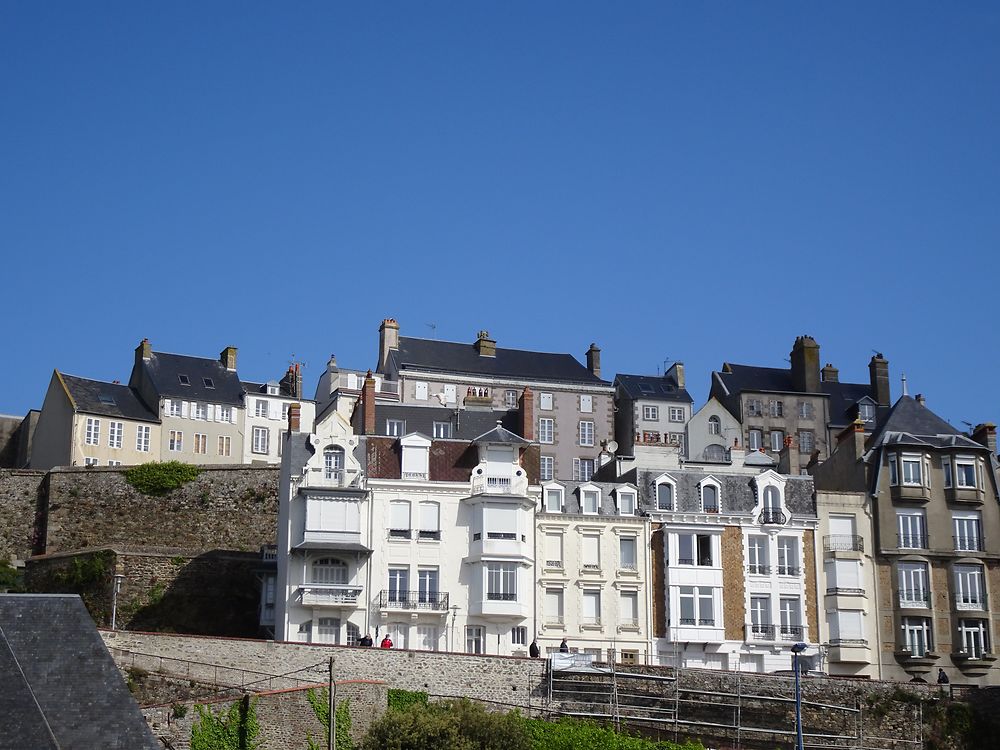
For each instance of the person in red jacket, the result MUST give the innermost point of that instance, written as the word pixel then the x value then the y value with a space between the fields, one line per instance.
pixel 387 642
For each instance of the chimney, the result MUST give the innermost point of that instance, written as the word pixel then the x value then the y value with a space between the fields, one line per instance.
pixel 294 417
pixel 526 414
pixel 485 346
pixel 805 365
pixel 368 405
pixel 878 370
pixel 388 340
pixel 298 380
pixel 852 439
pixel 986 434
pixel 594 360
pixel 144 351
pixel 830 374
pixel 228 358
pixel 919 398
pixel 785 457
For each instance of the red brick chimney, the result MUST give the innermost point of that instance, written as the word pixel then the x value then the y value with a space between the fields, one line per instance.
pixel 852 439
pixel 294 417
pixel 368 405
pixel 526 416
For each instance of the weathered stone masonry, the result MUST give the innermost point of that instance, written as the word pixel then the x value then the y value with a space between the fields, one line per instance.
pixel 19 499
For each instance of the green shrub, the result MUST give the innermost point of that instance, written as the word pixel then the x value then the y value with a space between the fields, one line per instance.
pixel 402 699
pixel 233 729
pixel 10 577
pixel 180 710
pixel 160 478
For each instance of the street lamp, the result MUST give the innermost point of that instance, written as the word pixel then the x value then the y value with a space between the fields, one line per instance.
pixel 797 649
pixel 454 616
pixel 116 587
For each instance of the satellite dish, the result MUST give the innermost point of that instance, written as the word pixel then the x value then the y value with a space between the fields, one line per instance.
pixel 612 446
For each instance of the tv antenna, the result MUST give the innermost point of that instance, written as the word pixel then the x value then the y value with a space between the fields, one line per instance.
pixel 433 327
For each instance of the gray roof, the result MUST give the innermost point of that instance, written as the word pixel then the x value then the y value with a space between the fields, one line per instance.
pixel 61 686
pixel 573 502
pixel 427 355
pixel 650 388
pixel 499 435
pixel 911 423
pixel 283 390
pixel 107 399
pixel 738 491
pixel 165 370
pixel 466 424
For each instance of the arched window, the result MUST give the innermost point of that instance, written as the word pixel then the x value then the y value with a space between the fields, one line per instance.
pixel 329 570
pixel 333 462
pixel 710 498
pixel 772 499
pixel 714 425
pixel 715 452
pixel 664 496
pixel 353 634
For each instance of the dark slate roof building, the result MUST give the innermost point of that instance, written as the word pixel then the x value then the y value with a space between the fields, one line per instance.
pixel 107 399
pixel 189 378
pixel 62 689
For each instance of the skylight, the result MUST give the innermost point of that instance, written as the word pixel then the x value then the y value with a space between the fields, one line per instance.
pixel 184 379
pixel 646 388
pixel 208 382
pixel 107 398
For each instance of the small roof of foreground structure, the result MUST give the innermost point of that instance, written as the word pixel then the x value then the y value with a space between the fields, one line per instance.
pixel 61 687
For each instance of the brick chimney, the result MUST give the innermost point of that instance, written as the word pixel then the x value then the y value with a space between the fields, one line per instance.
pixel 368 405
pixel 388 340
pixel 526 414
pixel 677 368
pixel 228 358
pixel 294 417
pixel 485 346
pixel 919 398
pixel 594 360
pixel 830 374
pixel 986 434
pixel 878 371
pixel 785 457
pixel 805 365
pixel 852 439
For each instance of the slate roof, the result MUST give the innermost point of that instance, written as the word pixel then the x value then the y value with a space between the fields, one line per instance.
pixel 499 435
pixel 61 686
pixel 738 491
pixel 650 388
pixel 107 399
pixel 911 423
pixel 573 502
pixel 427 355
pixel 468 424
pixel 283 390
pixel 164 371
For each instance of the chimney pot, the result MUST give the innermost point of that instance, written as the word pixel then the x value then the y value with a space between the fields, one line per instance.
pixel 986 434
pixel 830 374
pixel 228 358
pixel 805 365
pixel 485 346
pixel 920 399
pixel 594 360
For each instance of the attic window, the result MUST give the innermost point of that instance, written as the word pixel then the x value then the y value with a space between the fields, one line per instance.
pixel 106 398
pixel 667 388
pixel 184 379
pixel 646 388
pixel 208 382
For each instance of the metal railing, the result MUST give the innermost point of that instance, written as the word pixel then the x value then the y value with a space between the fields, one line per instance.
pixel 326 593
pixel 788 570
pixel 772 517
pixel 510 535
pixel 760 632
pixel 759 570
pixel 843 543
pixel 970 601
pixel 848 641
pixel 430 600
pixel 501 596
pixel 553 564
pixel 968 543
pixel 914 599
pixel 911 541
pixel 419 475
pixel 844 590
pixel 400 533
pixel 428 534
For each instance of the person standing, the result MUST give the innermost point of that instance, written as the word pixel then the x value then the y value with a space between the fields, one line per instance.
pixel 387 641
pixel 563 647
pixel 533 649
pixel 367 641
pixel 942 677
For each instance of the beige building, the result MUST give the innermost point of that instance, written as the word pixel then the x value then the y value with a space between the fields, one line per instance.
pixel 266 415
pixel 933 491
pixel 92 423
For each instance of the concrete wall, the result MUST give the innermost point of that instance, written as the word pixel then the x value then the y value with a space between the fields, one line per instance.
pixel 18 502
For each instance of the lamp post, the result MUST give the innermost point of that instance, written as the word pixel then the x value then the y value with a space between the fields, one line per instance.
pixel 116 587
pixel 454 616
pixel 797 649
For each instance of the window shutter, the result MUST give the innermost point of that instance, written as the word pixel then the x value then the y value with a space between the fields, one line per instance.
pixel 586 403
pixel 399 515
pixel 185 409
pixel 232 415
pixel 210 413
pixel 591 550
pixel 166 406
pixel 273 410
pixel 429 517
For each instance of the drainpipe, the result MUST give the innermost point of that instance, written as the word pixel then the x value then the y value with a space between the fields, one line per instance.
pixel 878 618
pixel 368 577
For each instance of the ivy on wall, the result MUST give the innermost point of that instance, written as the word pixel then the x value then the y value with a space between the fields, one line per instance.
pixel 157 478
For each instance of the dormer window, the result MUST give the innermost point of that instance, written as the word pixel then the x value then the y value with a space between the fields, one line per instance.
pixel 709 496
pixel 714 425
pixel 866 412
pixel 395 427
pixel 553 499
pixel 184 380
pixel 272 389
pixel 590 500
pixel 626 502
pixel 209 383
pixel 416 456
pixel 665 492
pixel 333 462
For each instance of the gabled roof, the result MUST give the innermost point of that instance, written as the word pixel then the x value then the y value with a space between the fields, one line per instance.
pixel 107 399
pixel 466 424
pixel 61 686
pixel 165 370
pixel 427 355
pixel 911 423
pixel 650 388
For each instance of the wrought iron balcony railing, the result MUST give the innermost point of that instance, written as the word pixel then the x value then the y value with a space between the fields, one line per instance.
pixel 843 543
pixel 429 600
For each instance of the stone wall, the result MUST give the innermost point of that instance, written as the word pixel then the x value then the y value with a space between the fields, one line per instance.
pixel 286 717
pixel 223 508
pixel 19 491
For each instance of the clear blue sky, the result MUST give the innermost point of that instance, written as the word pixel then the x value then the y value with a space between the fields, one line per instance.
pixel 688 181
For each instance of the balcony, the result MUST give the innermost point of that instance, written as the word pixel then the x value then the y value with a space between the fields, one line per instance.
pixel 755 569
pixel 843 543
pixel 416 601
pixel 775 633
pixel 963 495
pixel 504 544
pixel 500 605
pixel 321 477
pixel 970 602
pixel 332 539
pixel 486 484
pixel 789 570
pixel 849 651
pixel 911 541
pixel 329 595
pixel 913 493
pixel 914 599
pixel 968 543
pixel 772 517
pixel 414 476
pixel 760 633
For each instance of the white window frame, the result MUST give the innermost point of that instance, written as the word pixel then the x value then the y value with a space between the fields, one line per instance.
pixel 549 492
pixel 918 635
pixel 201 440
pixel 261 441
pixel 866 412
pixel 706 484
pixel 442 430
pixel 546 430
pixel 176 408
pixel 914 584
pixel 775 408
pixel 395 427
pixel 260 408
pixel 225 445
pixel 777 440
pixel 510 398
pixel 966 462
pixel 593 595
pixel 714 425
pixel 911 528
pixel 501 581
pixel 587 433
pixel 675 414
pixel 968 531
pixel 755 438
pixel 88 461
pixel 590 494
pixel 623 542
pixel 907 461
pixel 475 639
pixel 142 432
pixel 806 410
pixel 116 431
pixel 579 464
pixel 175 441
pixel 93 431
pixel 627 502
pixel 970 587
pixel 650 413
pixel 668 481
pixel 546 468
pixel 807 441
pixel 200 411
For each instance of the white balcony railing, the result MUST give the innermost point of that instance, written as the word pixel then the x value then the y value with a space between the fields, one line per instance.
pixel 323 594
pixel 415 475
pixel 319 476
pixel 484 484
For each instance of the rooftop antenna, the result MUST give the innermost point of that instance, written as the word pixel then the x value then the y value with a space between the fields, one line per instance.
pixel 968 424
pixel 905 392
pixel 433 327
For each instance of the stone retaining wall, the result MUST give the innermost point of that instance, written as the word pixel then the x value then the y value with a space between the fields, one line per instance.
pixel 19 492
